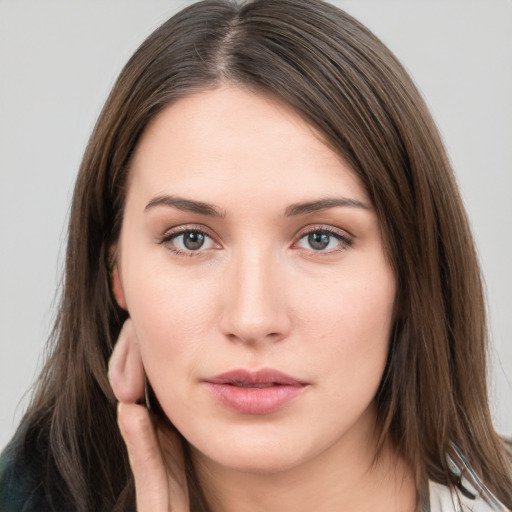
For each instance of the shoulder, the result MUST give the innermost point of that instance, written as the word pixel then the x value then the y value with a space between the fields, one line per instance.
pixel 20 481
pixel 443 499
pixel 461 499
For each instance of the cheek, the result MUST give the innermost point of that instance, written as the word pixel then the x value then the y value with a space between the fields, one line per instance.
pixel 349 321
pixel 357 307
pixel 171 315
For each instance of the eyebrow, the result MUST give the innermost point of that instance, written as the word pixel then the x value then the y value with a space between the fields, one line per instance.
pixel 187 205
pixel 202 208
pixel 323 204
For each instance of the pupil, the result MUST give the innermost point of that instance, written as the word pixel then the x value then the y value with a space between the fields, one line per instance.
pixel 318 241
pixel 193 241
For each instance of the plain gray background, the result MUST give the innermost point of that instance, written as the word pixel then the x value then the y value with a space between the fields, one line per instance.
pixel 58 60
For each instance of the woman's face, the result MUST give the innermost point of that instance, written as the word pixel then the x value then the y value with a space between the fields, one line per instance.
pixel 253 268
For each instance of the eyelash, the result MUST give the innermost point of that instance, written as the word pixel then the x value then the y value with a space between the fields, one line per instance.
pixel 345 240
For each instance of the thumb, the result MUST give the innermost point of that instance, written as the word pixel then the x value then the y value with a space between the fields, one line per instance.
pixel 126 372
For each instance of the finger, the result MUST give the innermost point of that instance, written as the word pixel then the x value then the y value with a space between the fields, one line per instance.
pixel 126 372
pixel 170 445
pixel 149 471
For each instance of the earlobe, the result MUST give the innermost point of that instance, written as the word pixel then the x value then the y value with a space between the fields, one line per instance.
pixel 117 288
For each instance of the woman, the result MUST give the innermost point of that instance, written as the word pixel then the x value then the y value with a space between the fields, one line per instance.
pixel 266 206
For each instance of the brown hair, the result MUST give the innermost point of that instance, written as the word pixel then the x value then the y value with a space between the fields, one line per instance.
pixel 346 83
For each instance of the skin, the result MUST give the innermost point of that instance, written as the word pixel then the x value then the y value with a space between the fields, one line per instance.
pixel 257 294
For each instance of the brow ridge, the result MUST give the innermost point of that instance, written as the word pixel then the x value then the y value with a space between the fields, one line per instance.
pixel 188 205
pixel 323 204
pixel 292 210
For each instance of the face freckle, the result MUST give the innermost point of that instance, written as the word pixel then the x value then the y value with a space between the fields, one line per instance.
pixel 290 278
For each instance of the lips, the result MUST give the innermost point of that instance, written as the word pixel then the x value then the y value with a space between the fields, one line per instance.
pixel 261 392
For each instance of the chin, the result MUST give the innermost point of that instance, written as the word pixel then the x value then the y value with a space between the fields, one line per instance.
pixel 253 462
pixel 262 454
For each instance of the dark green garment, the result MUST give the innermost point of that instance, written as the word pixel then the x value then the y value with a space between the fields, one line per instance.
pixel 20 482
pixel 26 465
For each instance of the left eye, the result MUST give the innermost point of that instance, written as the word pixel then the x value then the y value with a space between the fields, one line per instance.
pixel 321 241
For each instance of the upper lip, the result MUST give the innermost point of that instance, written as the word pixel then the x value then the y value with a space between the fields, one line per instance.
pixel 264 376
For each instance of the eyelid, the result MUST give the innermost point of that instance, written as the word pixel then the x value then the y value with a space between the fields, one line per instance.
pixel 184 228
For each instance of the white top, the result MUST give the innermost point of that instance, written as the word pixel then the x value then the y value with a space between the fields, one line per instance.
pixel 443 499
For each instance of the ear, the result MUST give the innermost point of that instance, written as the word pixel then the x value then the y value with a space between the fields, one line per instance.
pixel 117 288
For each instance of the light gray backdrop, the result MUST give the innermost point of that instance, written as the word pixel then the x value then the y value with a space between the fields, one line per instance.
pixel 58 60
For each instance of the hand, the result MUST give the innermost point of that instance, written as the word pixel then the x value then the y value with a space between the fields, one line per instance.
pixel 155 453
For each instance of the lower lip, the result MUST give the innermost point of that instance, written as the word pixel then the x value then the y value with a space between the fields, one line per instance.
pixel 254 400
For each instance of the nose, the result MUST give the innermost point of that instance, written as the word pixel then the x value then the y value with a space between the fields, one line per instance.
pixel 254 304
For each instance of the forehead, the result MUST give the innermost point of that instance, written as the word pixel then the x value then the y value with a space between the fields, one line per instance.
pixel 229 139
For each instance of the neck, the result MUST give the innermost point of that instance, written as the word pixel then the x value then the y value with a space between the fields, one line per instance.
pixel 346 477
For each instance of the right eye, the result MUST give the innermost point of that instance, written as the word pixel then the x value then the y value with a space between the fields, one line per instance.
pixel 188 242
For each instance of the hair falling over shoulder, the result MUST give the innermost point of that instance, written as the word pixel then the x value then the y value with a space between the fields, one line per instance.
pixel 348 85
